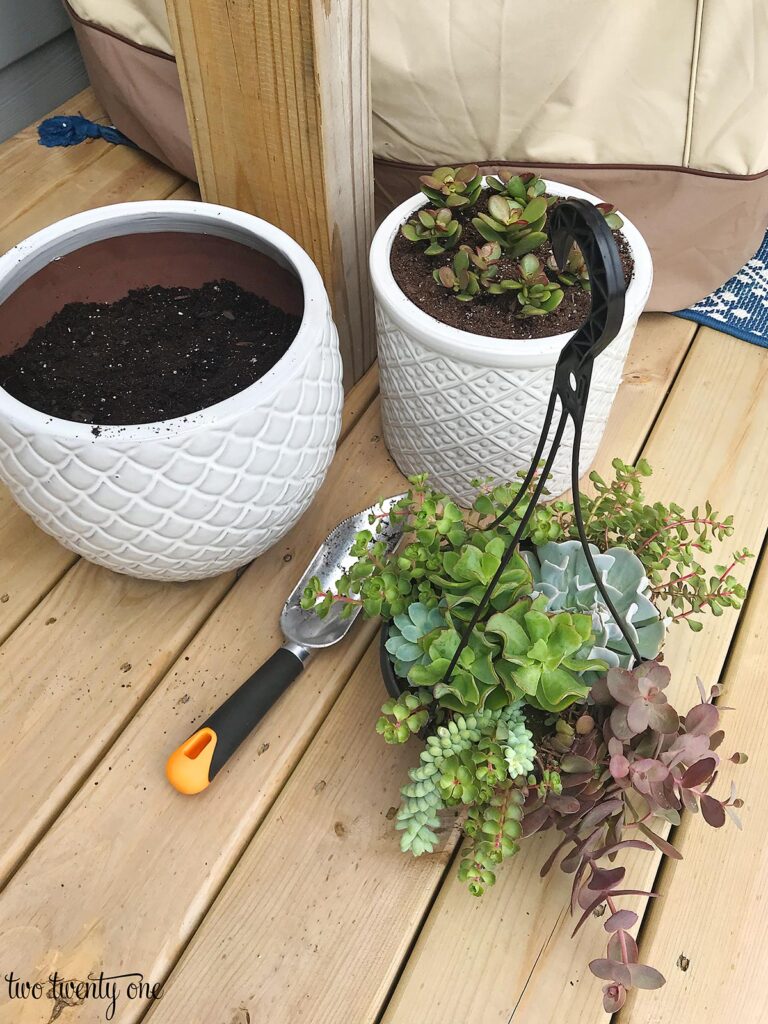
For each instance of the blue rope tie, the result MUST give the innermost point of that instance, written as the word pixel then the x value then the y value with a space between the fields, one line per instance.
pixel 69 130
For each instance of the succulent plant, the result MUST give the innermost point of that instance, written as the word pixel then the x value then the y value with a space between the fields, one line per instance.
pixel 466 573
pixel 454 187
pixel 410 635
pixel 612 217
pixel 485 260
pixel 403 717
pixel 562 575
pixel 493 829
pixel 575 269
pixel 465 761
pixel 520 187
pixel 517 227
pixel 543 653
pixel 536 294
pixel 463 282
pixel 637 761
pixel 437 228
pixel 422 798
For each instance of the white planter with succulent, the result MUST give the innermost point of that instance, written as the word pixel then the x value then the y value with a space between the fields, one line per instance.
pixel 461 406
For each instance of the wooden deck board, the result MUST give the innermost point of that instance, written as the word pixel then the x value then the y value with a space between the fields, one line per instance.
pixel 163 871
pixel 712 912
pixel 509 956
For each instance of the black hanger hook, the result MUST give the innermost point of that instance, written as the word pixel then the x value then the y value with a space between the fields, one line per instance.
pixel 570 220
pixel 577 220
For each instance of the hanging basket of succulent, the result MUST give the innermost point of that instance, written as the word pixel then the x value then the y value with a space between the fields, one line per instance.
pixel 522 644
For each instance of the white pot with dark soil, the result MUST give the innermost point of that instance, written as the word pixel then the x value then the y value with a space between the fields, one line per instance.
pixel 464 390
pixel 189 425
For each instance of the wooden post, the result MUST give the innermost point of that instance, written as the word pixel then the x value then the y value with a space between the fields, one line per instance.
pixel 278 103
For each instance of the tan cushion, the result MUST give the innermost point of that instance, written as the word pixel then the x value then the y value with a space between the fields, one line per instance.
pixel 587 82
pixel 677 83
pixel 143 22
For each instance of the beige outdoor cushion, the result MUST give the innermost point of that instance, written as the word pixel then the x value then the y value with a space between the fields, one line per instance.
pixel 143 22
pixel 660 106
pixel 591 82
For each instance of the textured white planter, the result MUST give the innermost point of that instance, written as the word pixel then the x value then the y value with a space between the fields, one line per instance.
pixel 194 496
pixel 461 406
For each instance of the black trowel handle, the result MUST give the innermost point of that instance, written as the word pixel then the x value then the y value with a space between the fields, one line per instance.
pixel 192 767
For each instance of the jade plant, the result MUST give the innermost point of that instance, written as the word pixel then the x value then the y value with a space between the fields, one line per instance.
pixel 435 227
pixel 510 259
pixel 545 721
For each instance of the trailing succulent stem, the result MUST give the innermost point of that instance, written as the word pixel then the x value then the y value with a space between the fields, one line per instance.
pixel 466 761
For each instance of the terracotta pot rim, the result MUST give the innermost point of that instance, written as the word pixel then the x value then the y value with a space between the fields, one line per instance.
pixel 79 230
pixel 479 349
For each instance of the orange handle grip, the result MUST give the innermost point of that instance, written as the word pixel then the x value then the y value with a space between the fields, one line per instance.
pixel 188 768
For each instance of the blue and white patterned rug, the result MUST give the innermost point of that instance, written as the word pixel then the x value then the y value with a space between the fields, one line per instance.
pixel 740 306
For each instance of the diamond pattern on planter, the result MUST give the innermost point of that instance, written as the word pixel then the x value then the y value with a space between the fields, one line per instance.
pixel 457 421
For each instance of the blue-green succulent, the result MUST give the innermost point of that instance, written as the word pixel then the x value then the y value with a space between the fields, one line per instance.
pixel 410 635
pixel 561 573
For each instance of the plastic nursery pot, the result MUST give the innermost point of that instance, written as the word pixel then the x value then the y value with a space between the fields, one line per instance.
pixel 198 495
pixel 461 406
pixel 395 688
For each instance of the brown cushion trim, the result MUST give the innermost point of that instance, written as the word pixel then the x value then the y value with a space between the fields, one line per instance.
pixel 116 35
pixel 543 165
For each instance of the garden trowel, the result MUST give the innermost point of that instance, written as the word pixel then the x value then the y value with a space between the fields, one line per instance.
pixel 193 766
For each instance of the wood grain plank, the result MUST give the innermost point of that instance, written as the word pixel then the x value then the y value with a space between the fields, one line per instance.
pixel 70 677
pixel 41 185
pixel 315 920
pixel 188 190
pixel 509 957
pixel 278 105
pixel 61 675
pixel 322 905
pixel 163 857
pixel 709 931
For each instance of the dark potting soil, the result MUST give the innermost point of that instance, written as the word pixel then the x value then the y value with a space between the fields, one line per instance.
pixel 153 355
pixel 490 315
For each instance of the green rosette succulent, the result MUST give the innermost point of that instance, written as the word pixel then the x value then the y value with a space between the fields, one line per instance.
pixel 516 226
pixel 453 187
pixel 543 654
pixel 410 636
pixel 562 575
pixel 523 653
pixel 521 187
pixel 467 572
pixel 536 294
pixel 436 228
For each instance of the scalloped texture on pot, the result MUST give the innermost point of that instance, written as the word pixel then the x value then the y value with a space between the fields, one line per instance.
pixel 460 406
pixel 188 499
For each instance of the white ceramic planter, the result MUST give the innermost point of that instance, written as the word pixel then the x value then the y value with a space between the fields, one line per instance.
pixel 460 406
pixel 195 496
